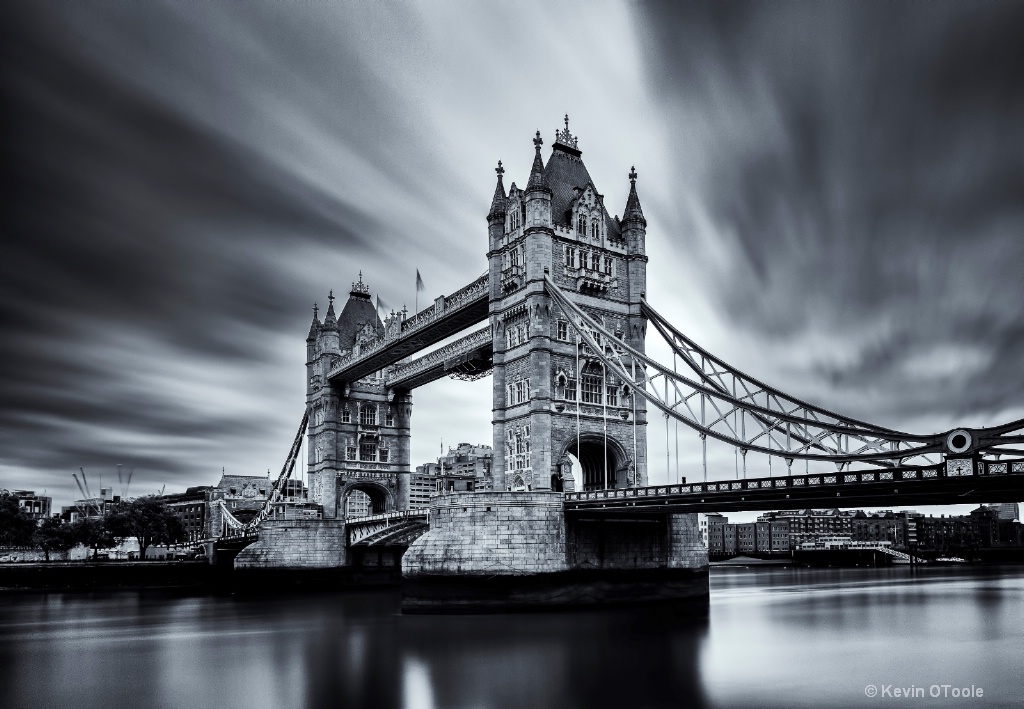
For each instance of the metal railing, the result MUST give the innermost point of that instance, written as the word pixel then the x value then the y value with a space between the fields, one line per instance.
pixel 984 468
pixel 466 344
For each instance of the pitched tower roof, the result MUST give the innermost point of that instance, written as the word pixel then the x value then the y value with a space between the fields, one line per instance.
pixel 330 321
pixel 633 210
pixel 314 327
pixel 538 180
pixel 566 176
pixel 499 200
pixel 357 313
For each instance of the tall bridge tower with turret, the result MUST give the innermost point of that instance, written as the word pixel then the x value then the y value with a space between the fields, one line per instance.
pixel 358 432
pixel 561 422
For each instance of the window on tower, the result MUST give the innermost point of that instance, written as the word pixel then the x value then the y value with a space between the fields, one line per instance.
pixel 383 455
pixel 595 230
pixel 346 415
pixel 581 225
pixel 368 451
pixel 562 330
pixel 591 382
pixel 389 418
pixel 368 415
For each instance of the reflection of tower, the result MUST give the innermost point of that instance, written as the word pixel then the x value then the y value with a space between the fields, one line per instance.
pixel 358 433
pixel 552 398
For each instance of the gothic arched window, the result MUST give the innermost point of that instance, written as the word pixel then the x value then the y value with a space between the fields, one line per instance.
pixel 581 225
pixel 595 230
pixel 368 415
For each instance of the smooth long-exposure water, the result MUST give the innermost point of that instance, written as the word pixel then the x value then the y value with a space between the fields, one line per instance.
pixel 778 637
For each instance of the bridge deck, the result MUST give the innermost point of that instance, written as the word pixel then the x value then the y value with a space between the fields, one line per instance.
pixel 449 315
pixel 893 488
pixel 474 350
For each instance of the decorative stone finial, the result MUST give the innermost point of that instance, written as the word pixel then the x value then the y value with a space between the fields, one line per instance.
pixel 538 141
pixel 360 287
pixel 564 137
pixel 632 174
pixel 330 296
pixel 316 311
pixel 500 170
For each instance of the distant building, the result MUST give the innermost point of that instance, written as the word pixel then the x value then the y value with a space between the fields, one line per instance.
pixel 35 506
pixel 191 507
pixel 466 468
pixel 357 504
pixel 90 506
pixel 808 525
pixel 716 534
pixel 1007 510
pixel 422 486
pixel 242 495
pixel 746 538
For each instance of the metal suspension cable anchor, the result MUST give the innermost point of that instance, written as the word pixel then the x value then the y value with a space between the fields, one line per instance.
pixel 604 416
pixel 704 438
pixel 668 457
pixel 676 427
pixel 579 393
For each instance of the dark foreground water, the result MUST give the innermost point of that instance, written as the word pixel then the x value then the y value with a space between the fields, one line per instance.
pixel 772 638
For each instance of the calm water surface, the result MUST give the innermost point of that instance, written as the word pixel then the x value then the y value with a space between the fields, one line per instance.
pixel 772 638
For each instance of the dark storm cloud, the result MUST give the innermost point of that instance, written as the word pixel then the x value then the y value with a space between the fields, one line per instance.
pixel 152 229
pixel 860 165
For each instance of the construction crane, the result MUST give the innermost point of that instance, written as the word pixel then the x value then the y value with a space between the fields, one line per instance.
pixel 87 498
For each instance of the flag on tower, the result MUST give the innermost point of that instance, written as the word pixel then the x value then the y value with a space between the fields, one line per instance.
pixel 419 287
pixel 381 304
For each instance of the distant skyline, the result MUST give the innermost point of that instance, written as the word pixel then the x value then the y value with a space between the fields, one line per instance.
pixel 835 198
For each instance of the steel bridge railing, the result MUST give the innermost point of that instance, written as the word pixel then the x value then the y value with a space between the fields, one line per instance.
pixel 984 468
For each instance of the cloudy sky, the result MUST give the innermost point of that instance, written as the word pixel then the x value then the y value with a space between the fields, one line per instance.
pixel 835 196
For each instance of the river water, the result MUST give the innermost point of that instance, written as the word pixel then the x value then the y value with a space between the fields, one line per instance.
pixel 772 637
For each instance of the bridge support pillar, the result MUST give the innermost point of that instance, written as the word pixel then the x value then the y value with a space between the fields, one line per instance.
pixel 507 550
pixel 296 544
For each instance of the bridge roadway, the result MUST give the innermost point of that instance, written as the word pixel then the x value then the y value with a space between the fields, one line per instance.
pixel 891 488
pixel 447 316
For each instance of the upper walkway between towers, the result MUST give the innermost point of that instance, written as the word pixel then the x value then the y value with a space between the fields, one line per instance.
pixel 448 315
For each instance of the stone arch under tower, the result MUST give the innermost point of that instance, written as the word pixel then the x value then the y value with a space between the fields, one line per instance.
pixel 382 499
pixel 598 454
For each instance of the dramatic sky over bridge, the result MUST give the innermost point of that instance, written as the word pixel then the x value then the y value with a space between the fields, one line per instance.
pixel 835 196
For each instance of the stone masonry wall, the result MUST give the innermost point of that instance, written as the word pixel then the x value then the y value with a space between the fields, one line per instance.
pixel 297 543
pixel 687 549
pixel 491 533
pixel 643 543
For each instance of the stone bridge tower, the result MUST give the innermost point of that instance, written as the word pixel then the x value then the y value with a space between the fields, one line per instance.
pixel 358 433
pixel 552 399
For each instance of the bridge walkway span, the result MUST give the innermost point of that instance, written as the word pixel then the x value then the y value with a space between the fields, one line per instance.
pixel 890 488
pixel 448 316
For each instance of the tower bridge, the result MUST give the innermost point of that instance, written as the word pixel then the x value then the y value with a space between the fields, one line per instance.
pixel 565 304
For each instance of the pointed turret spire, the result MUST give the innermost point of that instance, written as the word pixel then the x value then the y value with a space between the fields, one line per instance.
pixel 314 327
pixel 537 179
pixel 499 201
pixel 330 320
pixel 633 210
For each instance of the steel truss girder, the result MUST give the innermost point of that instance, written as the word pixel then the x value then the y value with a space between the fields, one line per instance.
pixel 722 400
